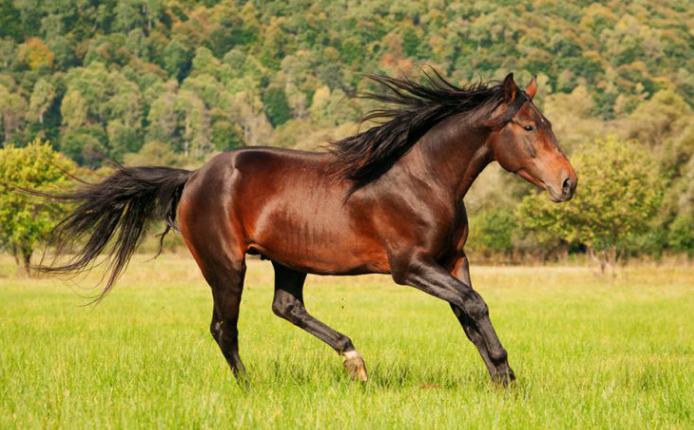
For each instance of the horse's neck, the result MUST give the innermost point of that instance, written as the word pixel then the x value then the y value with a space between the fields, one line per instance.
pixel 451 156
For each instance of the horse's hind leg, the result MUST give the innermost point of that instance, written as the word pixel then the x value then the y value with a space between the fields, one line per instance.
pixel 289 304
pixel 227 286
pixel 223 265
pixel 216 241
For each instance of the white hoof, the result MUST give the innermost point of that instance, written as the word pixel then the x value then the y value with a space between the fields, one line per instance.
pixel 355 366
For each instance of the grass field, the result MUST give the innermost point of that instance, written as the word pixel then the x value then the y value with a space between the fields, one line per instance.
pixel 589 353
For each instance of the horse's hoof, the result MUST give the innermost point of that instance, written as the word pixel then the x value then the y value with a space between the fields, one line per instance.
pixel 504 378
pixel 355 366
pixel 241 377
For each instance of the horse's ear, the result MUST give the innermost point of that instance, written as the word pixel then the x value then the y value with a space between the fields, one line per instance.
pixel 499 119
pixel 510 88
pixel 531 90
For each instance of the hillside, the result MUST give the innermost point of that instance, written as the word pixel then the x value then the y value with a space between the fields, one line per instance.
pixel 174 81
pixel 101 79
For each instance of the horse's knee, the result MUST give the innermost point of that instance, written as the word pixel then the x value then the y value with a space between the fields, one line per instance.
pixel 474 305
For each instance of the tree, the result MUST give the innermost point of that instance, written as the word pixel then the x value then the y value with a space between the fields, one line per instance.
pixel 132 14
pixel 85 145
pixel 74 110
pixel 163 117
pixel 10 22
pixel 26 221
pixel 12 111
pixel 35 54
pixel 247 112
pixel 196 135
pixel 276 106
pixel 657 119
pixel 681 230
pixel 619 192
pixel 177 59
pixel 330 108
pixel 154 153
pixel 491 231
pixel 41 100
pixel 106 103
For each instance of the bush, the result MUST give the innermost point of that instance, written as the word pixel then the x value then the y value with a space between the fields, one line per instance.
pixel 681 234
pixel 619 191
pixel 492 231
pixel 26 221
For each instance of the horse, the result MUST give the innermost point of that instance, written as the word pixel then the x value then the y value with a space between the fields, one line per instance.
pixel 387 200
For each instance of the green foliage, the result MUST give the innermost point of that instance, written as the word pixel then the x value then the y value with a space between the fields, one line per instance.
pixel 277 106
pixel 10 21
pixel 154 153
pixel 26 221
pixel 85 145
pixel 410 42
pixel 619 192
pixel 41 100
pixel 492 231
pixel 35 55
pixel 101 79
pixel 117 55
pixel 681 234
pixel 226 136
pixel 176 59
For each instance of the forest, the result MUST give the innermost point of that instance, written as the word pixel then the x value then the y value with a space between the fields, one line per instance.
pixel 173 82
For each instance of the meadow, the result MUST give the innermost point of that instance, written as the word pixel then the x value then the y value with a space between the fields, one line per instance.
pixel 589 352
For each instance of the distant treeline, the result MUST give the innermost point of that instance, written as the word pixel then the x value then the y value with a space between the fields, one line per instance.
pixel 173 81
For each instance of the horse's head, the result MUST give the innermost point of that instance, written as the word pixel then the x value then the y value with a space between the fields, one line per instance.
pixel 522 141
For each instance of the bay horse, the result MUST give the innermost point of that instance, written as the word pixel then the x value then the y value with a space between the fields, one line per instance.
pixel 387 200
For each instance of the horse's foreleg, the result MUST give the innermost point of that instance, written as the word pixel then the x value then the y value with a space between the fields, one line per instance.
pixel 461 271
pixel 288 303
pixel 435 280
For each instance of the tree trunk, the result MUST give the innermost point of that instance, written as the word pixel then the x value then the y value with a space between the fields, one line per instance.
pixel 26 261
pixel 606 259
pixel 602 258
pixel 15 254
pixel 611 258
pixel 564 252
pixel 599 258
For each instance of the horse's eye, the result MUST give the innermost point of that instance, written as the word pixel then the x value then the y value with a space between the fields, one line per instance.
pixel 528 128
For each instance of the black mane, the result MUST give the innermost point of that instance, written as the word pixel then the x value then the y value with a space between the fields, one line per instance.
pixel 364 157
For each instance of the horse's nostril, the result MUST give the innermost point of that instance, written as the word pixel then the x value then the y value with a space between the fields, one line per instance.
pixel 566 186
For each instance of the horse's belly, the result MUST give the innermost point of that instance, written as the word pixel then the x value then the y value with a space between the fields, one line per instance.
pixel 327 247
pixel 326 264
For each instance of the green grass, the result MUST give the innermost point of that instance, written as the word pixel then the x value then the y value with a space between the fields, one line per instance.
pixel 589 353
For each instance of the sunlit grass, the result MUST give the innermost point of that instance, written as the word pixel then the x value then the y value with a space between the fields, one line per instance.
pixel 589 352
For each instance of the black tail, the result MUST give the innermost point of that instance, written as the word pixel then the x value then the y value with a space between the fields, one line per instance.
pixel 119 208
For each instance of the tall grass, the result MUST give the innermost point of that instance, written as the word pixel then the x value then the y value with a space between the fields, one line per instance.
pixel 589 352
